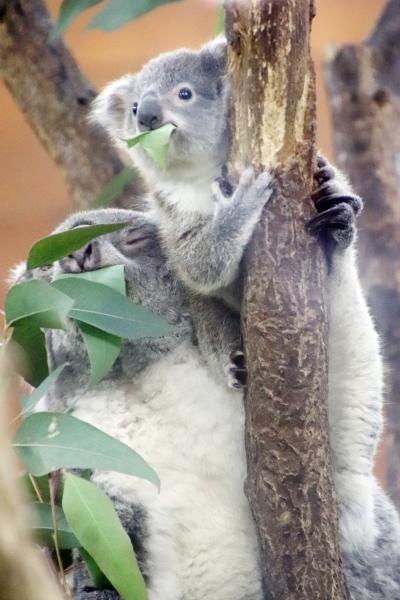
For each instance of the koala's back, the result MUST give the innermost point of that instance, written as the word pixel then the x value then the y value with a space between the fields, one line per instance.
pixel 200 540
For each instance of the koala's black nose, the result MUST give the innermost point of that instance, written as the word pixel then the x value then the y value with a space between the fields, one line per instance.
pixel 149 114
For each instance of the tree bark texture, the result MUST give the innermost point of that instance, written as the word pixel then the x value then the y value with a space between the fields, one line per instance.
pixel 49 88
pixel 364 90
pixel 290 487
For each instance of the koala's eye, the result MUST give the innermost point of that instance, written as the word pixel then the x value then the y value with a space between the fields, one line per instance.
pixel 185 93
pixel 134 108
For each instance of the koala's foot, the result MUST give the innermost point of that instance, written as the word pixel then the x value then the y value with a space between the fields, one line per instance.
pixel 236 371
pixel 337 207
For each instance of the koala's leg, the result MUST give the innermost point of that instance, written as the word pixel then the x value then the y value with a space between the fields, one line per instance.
pixel 217 330
pixel 355 366
pixel 207 254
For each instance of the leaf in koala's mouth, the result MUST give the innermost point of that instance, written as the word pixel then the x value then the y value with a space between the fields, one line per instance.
pixel 154 142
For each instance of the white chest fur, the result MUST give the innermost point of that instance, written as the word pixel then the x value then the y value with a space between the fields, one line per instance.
pixel 190 429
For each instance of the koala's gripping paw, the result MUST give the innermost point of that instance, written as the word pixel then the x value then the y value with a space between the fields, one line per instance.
pixel 236 371
pixel 337 207
pixel 135 240
pixel 252 192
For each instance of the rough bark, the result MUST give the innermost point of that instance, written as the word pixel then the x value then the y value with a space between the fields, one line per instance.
pixel 284 315
pixel 289 485
pixel 364 90
pixel 49 88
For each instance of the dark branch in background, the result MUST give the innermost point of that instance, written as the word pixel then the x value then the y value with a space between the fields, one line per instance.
pixel 364 90
pixel 49 88
pixel 289 486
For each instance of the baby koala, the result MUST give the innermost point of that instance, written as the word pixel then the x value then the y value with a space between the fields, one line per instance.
pixel 204 224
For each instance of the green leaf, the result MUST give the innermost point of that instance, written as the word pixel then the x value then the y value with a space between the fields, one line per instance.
pixel 56 246
pixel 69 10
pixel 99 580
pixel 106 309
pixel 113 277
pixel 92 517
pixel 103 349
pixel 38 304
pixel 155 142
pixel 42 483
pixel 47 441
pixel 41 390
pixel 33 368
pixel 42 527
pixel 114 188
pixel 119 12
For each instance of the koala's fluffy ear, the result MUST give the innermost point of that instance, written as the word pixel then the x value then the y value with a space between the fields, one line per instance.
pixel 213 56
pixel 110 107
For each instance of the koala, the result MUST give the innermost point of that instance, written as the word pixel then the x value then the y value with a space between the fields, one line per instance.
pixel 204 224
pixel 196 538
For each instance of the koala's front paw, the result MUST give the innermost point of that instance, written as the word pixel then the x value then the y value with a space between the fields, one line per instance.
pixel 87 258
pixel 236 371
pixel 337 207
pixel 138 239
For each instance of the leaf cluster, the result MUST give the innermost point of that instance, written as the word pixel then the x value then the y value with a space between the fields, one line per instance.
pixel 75 513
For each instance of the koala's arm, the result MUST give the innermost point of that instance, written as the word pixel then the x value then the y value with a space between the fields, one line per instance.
pixel 217 329
pixel 355 373
pixel 206 253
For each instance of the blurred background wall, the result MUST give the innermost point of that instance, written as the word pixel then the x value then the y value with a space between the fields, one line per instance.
pixel 33 196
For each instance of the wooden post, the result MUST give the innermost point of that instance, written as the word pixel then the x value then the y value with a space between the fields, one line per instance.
pixel 289 486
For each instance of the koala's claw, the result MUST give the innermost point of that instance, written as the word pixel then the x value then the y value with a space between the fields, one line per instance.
pixel 236 371
pixel 337 207
pixel 337 222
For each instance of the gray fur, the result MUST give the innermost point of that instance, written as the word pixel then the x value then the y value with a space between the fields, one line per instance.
pixel 203 231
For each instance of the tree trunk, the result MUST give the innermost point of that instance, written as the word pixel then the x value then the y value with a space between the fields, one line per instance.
pixel 364 91
pixel 289 485
pixel 49 88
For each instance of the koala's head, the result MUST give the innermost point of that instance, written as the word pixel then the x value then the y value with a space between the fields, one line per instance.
pixel 185 88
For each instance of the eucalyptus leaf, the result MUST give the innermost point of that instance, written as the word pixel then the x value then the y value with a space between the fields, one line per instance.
pixel 41 391
pixel 154 142
pixel 119 12
pixel 103 349
pixel 92 517
pixel 42 484
pixel 42 527
pixel 69 10
pixel 47 441
pixel 56 246
pixel 38 304
pixel 33 367
pixel 114 188
pixel 106 309
pixel 113 277
pixel 99 580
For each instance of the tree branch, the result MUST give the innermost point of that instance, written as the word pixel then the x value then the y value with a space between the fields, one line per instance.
pixel 49 88
pixel 364 90
pixel 289 485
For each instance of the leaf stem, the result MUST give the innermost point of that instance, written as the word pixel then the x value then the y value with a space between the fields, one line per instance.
pixel 52 484
pixel 36 488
